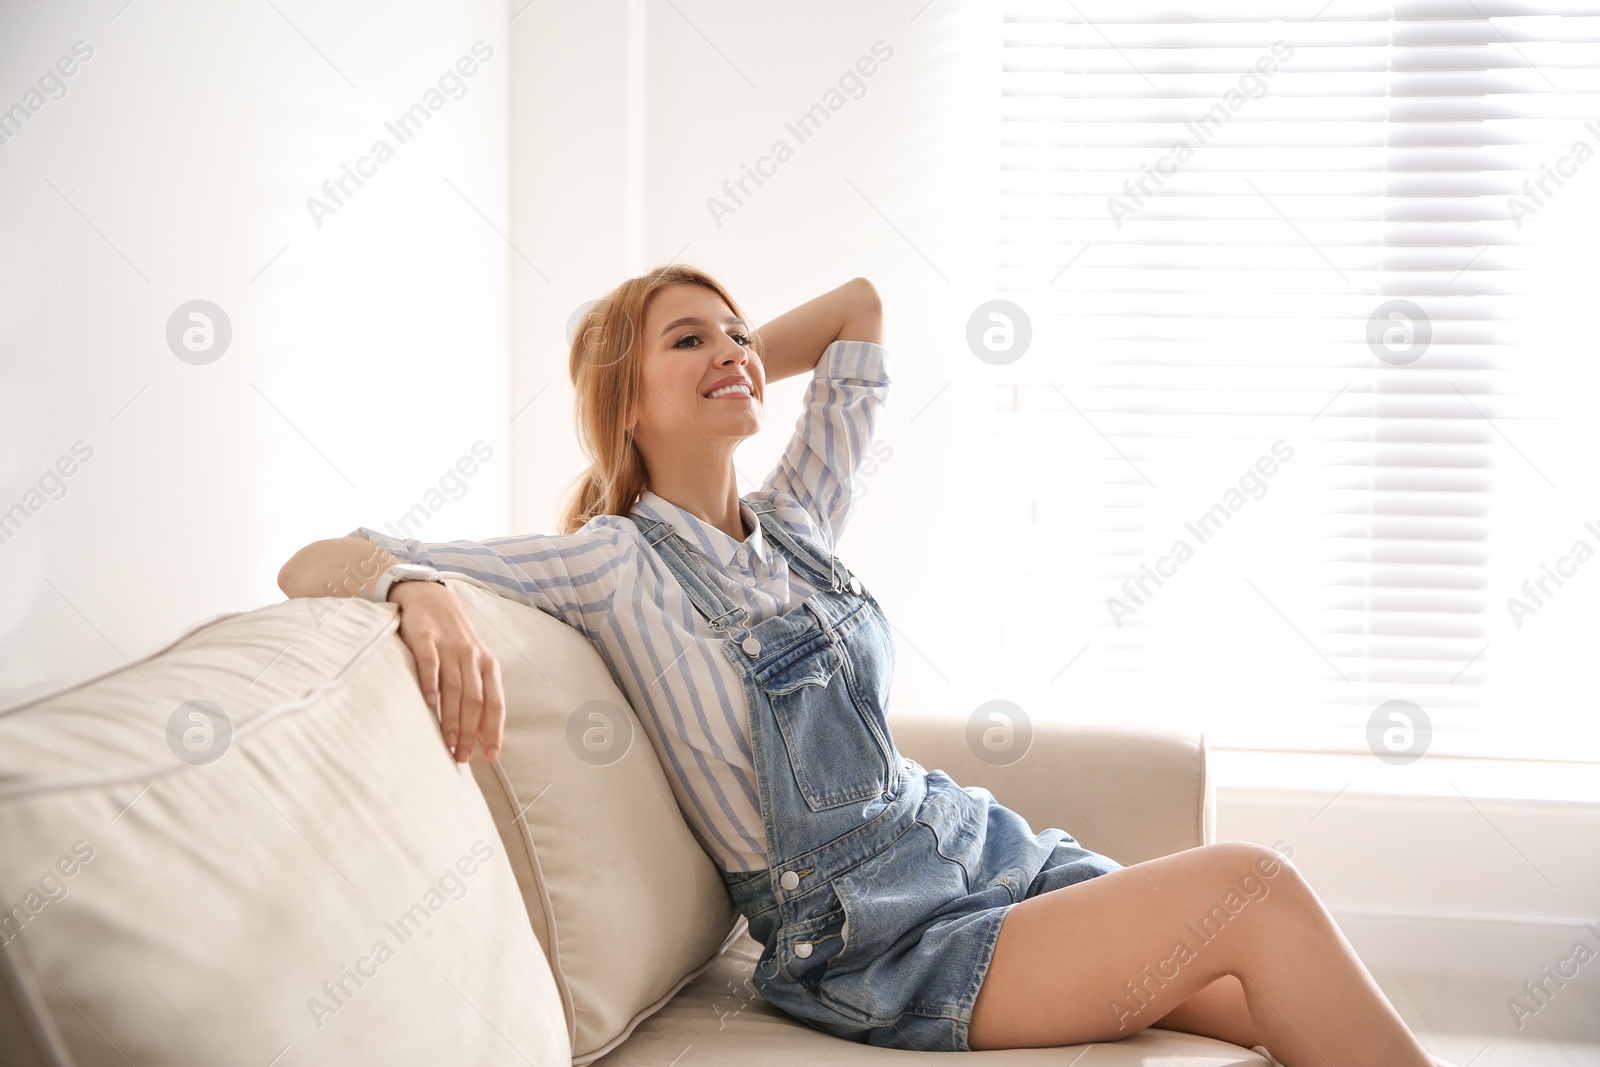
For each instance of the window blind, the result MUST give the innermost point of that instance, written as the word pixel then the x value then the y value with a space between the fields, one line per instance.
pixel 1311 393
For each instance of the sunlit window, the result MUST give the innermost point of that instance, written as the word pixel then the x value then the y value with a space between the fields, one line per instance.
pixel 1302 448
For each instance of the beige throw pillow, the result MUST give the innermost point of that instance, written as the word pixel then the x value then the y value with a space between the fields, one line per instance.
pixel 628 905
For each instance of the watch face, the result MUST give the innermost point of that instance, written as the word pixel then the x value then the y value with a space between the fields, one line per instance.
pixel 413 572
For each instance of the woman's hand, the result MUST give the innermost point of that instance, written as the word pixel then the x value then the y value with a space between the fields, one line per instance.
pixel 459 676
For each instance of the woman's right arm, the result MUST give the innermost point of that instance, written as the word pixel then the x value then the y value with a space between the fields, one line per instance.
pixel 458 675
pixel 339 566
pixel 793 342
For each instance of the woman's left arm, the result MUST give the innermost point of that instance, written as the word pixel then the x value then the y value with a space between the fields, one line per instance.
pixel 792 343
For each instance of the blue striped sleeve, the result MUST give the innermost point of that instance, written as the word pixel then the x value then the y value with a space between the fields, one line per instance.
pixel 838 424
pixel 570 576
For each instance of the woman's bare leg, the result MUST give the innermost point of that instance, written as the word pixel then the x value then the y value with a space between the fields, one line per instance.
pixel 1105 958
pixel 1220 1010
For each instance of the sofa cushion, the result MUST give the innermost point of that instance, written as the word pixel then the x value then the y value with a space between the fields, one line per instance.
pixel 627 903
pixel 253 847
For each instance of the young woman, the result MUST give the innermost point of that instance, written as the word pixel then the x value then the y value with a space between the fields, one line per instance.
pixel 895 907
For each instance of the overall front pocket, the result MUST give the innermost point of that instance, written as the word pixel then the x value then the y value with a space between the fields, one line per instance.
pixel 836 757
pixel 897 890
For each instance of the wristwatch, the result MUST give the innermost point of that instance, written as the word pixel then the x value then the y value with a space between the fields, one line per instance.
pixel 403 572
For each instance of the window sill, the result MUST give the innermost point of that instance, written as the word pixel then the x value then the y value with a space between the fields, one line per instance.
pixel 1333 774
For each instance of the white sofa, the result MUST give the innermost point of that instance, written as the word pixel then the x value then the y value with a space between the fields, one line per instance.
pixel 251 848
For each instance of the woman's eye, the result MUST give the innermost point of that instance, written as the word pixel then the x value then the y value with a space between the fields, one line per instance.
pixel 738 337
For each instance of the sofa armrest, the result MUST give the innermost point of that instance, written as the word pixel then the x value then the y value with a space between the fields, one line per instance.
pixel 1129 793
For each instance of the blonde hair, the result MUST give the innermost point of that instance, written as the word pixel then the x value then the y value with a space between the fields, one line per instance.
pixel 605 364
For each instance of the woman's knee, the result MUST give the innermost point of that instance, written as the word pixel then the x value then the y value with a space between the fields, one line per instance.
pixel 1253 869
pixel 1251 890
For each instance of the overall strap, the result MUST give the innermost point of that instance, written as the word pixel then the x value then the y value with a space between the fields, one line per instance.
pixel 710 601
pixel 821 568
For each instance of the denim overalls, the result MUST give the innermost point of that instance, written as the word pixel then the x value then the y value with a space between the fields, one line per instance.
pixel 887 883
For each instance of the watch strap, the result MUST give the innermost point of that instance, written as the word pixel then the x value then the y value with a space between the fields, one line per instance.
pixel 394 574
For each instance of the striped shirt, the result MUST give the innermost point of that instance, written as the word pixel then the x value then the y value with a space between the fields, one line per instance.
pixel 609 584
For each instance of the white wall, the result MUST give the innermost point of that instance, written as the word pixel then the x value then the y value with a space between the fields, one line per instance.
pixel 368 353
pixel 571 221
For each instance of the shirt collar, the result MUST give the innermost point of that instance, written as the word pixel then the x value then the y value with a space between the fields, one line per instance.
pixel 700 535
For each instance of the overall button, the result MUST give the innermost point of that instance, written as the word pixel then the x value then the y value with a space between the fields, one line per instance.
pixel 802 949
pixel 789 880
pixel 750 645
pixel 855 585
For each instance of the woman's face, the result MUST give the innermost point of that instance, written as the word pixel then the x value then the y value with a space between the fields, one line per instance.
pixel 690 342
